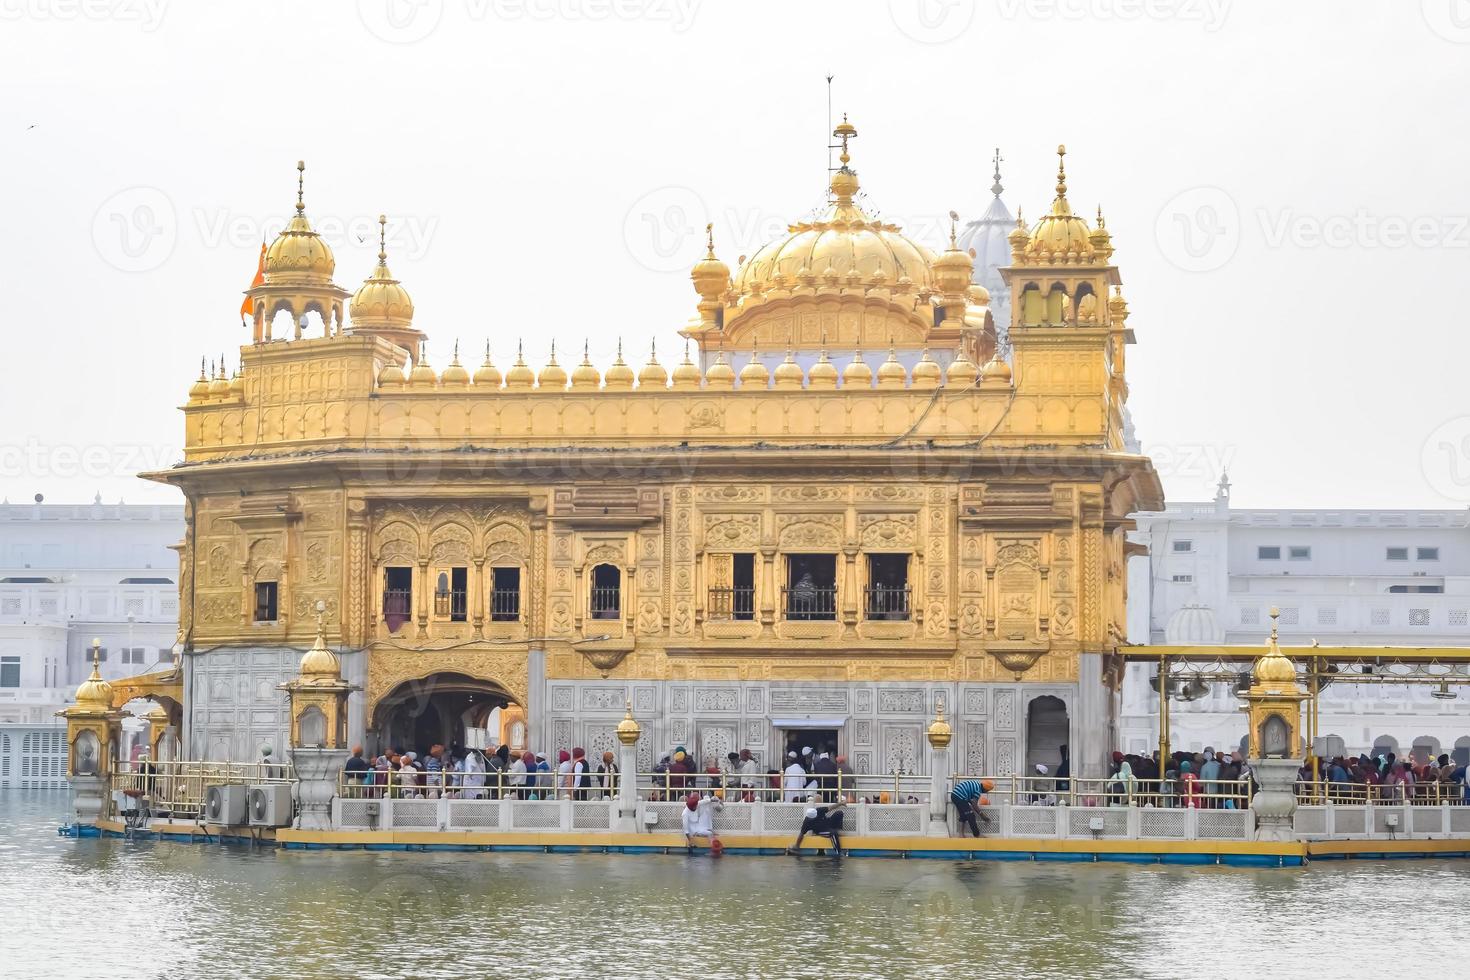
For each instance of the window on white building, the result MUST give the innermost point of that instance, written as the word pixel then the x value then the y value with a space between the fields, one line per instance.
pixel 1268 552
pixel 134 655
pixel 1418 617
pixel 1426 554
pixel 1398 554
pixel 1184 578
pixel 1459 617
pixel 1299 552
pixel 1183 546
pixel 1326 617
pixel 9 672
pixel 1250 616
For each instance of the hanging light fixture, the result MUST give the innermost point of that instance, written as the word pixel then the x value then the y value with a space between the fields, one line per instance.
pixel 1443 692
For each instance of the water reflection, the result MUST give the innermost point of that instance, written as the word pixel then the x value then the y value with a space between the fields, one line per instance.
pixel 144 909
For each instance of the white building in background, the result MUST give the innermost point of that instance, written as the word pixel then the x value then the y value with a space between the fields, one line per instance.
pixel 69 573
pixel 1340 577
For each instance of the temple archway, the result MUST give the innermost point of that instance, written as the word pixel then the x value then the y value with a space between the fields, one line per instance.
pixel 438 709
pixel 1047 725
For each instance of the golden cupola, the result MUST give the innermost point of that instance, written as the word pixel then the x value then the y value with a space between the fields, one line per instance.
pixel 219 387
pixel 653 374
pixel 520 376
pixel 823 374
pixel 94 692
pixel 422 375
pixel 1060 237
pixel 585 376
pixel 199 390
pixel 686 372
pixel 455 375
pixel 487 375
pixel 299 255
pixel 381 306
pixel 844 266
pixel 619 376
pixel 857 374
pixel 553 376
pixel 754 374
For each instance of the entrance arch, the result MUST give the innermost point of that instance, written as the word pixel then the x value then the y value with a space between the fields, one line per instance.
pixel 438 709
pixel 1047 725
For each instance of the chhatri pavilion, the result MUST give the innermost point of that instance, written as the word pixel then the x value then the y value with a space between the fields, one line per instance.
pixel 853 498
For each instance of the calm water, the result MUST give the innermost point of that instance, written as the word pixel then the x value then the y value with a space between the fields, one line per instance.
pixel 140 909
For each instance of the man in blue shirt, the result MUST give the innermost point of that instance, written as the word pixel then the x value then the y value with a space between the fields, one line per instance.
pixel 968 796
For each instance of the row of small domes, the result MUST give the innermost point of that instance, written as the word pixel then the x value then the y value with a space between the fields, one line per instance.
pixel 216 384
pixel 927 373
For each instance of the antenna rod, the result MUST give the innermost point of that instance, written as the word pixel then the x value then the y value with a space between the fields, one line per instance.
pixel 829 133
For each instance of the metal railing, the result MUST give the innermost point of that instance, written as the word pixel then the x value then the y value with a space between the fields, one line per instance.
pixel 606 602
pixel 397 603
pixel 1215 794
pixel 1427 793
pixel 453 604
pixel 809 602
pixel 177 788
pixel 887 602
pixel 505 605
pixel 727 603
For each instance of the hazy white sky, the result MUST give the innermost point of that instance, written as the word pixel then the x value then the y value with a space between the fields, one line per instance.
pixel 1285 185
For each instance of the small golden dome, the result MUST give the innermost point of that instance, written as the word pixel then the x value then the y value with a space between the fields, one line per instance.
pixel 319 661
pixel 962 371
pixel 391 376
pixel 94 692
pixel 553 376
pixel 298 255
pixel 585 375
pixel 720 374
pixel 953 269
pixel 1274 667
pixel 979 295
pixel 1060 236
pixel 455 376
pixel 487 375
pixel 823 374
pixel 381 302
pixel 857 374
pixel 996 371
pixel 520 375
pixel 754 374
pixel 891 373
pixel 686 372
pixel 619 375
pixel 788 372
pixel 939 733
pixel 653 374
pixel 422 375
pixel 628 731
pixel 237 384
pixel 200 388
pixel 927 373
pixel 219 386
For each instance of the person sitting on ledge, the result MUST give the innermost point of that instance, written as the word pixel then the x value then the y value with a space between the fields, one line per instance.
pixel 822 820
pixel 699 820
pixel 968 796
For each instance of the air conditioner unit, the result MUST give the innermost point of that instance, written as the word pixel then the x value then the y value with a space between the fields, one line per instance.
pixel 225 804
pixel 270 805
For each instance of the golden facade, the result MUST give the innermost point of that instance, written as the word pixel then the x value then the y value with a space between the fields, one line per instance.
pixel 934 520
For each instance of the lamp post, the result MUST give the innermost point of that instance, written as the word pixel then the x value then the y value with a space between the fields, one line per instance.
pixel 940 734
pixel 625 818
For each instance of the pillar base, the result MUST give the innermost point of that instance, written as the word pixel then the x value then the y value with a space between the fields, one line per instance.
pixel 317 772
pixel 87 799
pixel 1275 799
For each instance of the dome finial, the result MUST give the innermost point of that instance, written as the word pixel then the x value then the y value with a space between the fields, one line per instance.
pixel 954 221
pixel 382 238
pixel 456 351
pixel 1060 205
pixel 709 235
pixel 300 186
pixel 995 188
pixel 844 180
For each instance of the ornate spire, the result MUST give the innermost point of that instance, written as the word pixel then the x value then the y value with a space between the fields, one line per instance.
pixel 1060 205
pixel 844 183
pixel 300 186
pixel 995 188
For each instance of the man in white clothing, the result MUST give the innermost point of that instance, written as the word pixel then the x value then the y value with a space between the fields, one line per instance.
pixel 699 819
pixel 795 780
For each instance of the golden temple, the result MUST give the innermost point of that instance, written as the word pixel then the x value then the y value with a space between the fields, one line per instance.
pixel 850 506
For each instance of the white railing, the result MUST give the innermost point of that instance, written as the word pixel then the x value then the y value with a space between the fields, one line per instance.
pixel 1380 821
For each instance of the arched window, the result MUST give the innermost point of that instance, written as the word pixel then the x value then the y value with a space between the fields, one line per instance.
pixel 607 587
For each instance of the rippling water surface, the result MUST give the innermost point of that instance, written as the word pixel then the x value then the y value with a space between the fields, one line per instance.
pixel 143 909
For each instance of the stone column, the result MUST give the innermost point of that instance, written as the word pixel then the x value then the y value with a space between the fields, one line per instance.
pixel 1275 799
pixel 86 800
pixel 625 814
pixel 939 735
pixel 317 771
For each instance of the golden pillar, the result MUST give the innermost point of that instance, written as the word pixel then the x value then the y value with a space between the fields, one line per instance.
pixel 1274 703
pixel 93 732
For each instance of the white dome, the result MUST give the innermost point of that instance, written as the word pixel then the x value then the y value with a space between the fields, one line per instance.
pixel 1193 625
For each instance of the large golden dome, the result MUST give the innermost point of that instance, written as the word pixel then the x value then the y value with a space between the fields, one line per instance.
pixel 381 302
pixel 298 255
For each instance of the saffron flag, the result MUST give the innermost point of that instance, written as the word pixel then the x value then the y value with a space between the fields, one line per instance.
pixel 245 308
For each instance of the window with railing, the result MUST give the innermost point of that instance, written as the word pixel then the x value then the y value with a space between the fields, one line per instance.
pixel 451 595
pixel 732 587
pixel 887 595
pixel 265 602
pixel 811 587
pixel 607 589
pixel 397 597
pixel 505 595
